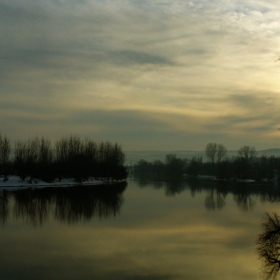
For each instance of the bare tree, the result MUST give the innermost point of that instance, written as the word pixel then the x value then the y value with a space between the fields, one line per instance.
pixel 268 245
pixel 221 152
pixel 45 151
pixel 20 159
pixel 248 153
pixel 45 160
pixel 244 163
pixel 174 165
pixel 5 151
pixel 211 151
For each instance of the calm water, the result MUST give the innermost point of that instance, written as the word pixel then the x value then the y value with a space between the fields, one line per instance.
pixel 144 230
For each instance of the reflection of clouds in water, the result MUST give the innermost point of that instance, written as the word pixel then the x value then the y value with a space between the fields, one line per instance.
pixel 154 237
pixel 69 205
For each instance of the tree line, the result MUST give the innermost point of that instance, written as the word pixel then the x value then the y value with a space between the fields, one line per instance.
pixel 70 157
pixel 245 165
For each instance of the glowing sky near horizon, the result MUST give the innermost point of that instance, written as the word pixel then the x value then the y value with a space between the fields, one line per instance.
pixel 151 75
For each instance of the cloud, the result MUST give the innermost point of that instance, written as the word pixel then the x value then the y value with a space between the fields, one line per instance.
pixel 182 66
pixel 129 58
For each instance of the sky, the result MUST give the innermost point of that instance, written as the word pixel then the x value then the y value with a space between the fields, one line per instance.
pixel 148 74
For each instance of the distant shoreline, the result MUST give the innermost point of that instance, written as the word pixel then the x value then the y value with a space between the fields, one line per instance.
pixel 132 157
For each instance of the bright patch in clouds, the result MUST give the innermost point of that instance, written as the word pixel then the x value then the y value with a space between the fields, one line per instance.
pixel 166 75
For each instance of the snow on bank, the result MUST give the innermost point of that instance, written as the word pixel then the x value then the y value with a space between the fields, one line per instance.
pixel 15 183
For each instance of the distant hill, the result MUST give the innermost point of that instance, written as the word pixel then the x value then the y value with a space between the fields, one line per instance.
pixel 133 157
pixel 269 152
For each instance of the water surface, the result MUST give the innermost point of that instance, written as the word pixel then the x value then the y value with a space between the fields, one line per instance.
pixel 145 230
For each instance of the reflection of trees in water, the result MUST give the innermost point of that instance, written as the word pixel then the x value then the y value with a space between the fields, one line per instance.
pixel 245 195
pixel 79 205
pixel 273 196
pixel 244 201
pixel 172 186
pixel 32 206
pixel 144 182
pixel 4 209
pixel 216 193
pixel 68 205
pixel 215 200
pixel 195 187
pixel 268 245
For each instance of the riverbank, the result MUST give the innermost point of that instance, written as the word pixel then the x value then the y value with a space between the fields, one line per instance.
pixel 15 183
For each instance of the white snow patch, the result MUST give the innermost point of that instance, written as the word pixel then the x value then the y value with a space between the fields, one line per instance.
pixel 15 183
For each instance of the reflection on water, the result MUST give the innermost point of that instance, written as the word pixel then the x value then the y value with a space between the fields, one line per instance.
pixel 244 195
pixel 4 210
pixel 68 205
pixel 75 204
pixel 245 201
pixel 268 245
pixel 172 230
pixel 215 200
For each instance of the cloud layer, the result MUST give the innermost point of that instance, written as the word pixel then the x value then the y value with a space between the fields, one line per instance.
pixel 160 75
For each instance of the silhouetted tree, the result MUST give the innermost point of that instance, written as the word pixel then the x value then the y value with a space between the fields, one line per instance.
pixel 221 153
pixel 215 152
pixel 174 165
pixel 32 157
pixel 73 158
pixel 194 167
pixel 244 162
pixel 268 245
pixel 45 160
pixel 142 168
pixel 211 151
pixel 20 159
pixel 5 151
pixel 61 158
pixel 158 168
pixel 224 169
pixel 247 152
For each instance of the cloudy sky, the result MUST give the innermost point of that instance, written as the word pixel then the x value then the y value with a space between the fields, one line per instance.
pixel 149 74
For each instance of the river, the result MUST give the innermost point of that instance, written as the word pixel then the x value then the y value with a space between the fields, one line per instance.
pixel 142 230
